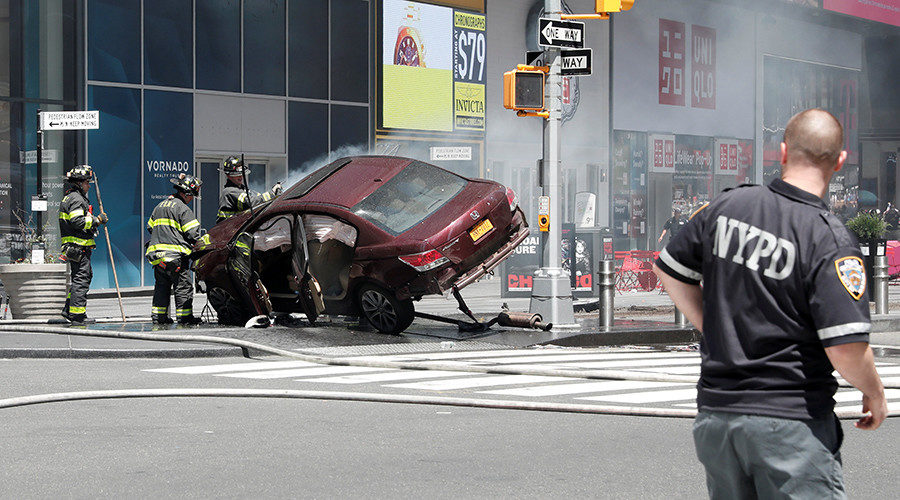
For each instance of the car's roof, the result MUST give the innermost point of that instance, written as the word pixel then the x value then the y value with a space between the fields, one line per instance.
pixel 347 181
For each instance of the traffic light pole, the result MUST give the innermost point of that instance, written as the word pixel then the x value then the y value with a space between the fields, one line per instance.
pixel 551 293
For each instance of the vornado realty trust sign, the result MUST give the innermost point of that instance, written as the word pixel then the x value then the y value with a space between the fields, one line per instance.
pixel 163 168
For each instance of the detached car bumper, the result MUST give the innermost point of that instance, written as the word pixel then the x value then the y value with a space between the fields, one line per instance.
pixel 489 264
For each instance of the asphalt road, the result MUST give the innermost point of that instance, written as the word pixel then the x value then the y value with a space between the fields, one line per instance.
pixel 218 447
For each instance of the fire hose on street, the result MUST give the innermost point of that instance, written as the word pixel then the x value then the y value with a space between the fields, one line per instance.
pixel 371 363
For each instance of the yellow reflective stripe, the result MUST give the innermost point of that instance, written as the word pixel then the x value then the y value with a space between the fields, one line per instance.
pixel 205 239
pixel 190 225
pixel 78 241
pixel 155 262
pixel 267 196
pixel 183 312
pixel 241 244
pixel 168 222
pixel 77 310
pixel 227 213
pixel 168 247
pixel 160 310
pixel 88 222
pixel 70 215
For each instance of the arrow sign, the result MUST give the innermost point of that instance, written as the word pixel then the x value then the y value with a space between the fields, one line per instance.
pixel 70 120
pixel 576 62
pixel 562 34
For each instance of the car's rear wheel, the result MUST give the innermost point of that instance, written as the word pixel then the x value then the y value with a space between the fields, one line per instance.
pixel 383 310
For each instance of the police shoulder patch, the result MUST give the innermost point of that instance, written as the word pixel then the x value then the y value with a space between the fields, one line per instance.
pixel 852 273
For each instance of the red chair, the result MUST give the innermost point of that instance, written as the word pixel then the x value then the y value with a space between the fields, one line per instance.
pixel 646 278
pixel 627 274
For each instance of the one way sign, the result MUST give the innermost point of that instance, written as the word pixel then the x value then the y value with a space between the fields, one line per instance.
pixel 577 62
pixel 561 34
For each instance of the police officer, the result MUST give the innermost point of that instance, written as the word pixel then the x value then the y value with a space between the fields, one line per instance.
pixel 77 228
pixel 173 231
pixel 783 304
pixel 672 226
pixel 235 197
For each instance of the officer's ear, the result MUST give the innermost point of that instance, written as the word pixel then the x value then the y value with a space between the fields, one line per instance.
pixel 783 153
pixel 841 159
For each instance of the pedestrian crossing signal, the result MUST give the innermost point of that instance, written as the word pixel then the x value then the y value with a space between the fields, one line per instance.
pixel 523 90
pixel 612 5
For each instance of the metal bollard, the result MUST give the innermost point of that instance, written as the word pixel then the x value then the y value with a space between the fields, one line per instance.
pixel 607 282
pixel 680 319
pixel 880 282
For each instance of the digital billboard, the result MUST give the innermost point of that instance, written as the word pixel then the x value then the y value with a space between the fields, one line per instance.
pixel 433 67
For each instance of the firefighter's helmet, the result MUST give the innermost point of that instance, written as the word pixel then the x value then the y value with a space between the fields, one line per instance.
pixel 80 173
pixel 233 166
pixel 187 184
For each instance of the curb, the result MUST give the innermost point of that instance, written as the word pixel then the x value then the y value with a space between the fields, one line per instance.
pixel 51 353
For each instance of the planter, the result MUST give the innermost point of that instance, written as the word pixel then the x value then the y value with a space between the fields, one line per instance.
pixel 870 248
pixel 36 291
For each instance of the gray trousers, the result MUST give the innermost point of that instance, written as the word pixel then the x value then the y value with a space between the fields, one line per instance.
pixel 751 456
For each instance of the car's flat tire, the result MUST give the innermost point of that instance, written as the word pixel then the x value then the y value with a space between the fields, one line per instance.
pixel 383 310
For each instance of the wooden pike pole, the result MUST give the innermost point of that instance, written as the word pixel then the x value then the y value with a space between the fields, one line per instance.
pixel 109 247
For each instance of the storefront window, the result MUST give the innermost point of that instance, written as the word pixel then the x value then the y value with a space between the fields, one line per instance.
pixel 219 45
pixel 114 151
pixel 114 40
pixel 168 43
pixel 349 64
pixel 308 46
pixel 264 33
pixel 349 126
pixel 308 138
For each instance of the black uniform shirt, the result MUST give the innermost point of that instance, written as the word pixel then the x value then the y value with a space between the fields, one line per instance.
pixel 782 279
pixel 674 225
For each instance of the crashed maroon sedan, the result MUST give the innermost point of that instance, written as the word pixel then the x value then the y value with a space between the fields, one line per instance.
pixel 363 236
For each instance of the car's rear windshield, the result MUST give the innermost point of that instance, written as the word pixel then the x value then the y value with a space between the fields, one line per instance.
pixel 416 192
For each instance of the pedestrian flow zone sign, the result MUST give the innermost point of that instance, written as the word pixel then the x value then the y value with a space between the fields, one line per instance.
pixel 577 62
pixel 560 34
pixel 70 120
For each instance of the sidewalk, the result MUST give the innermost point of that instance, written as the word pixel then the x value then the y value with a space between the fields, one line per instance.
pixel 641 318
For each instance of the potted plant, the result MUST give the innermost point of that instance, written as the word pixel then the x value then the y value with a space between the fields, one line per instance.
pixel 869 228
pixel 35 290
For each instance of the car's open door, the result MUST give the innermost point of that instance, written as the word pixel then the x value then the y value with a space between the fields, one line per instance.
pixel 309 292
pixel 240 267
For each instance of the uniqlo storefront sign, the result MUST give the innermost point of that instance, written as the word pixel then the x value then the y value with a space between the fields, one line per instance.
pixel 683 72
pixel 662 147
pixel 671 62
pixel 726 156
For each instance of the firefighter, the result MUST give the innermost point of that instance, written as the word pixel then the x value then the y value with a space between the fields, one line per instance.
pixel 173 231
pixel 235 197
pixel 77 228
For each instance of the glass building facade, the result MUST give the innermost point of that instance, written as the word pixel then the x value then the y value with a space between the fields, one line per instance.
pixel 180 85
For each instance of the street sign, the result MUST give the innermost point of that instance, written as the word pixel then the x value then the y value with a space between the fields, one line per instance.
pixel 577 62
pixel 534 57
pixel 561 34
pixel 70 120
pixel 47 156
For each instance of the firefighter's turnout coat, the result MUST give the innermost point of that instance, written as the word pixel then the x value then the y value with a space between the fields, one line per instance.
pixel 76 224
pixel 173 231
pixel 235 199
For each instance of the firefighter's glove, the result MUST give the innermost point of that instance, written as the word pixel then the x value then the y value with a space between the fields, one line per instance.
pixel 102 218
pixel 277 189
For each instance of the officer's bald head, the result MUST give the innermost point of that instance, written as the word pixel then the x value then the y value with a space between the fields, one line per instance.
pixel 814 137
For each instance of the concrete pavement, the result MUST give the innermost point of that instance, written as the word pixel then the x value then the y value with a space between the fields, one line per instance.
pixel 641 318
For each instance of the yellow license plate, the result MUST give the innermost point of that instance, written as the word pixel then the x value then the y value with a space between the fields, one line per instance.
pixel 481 229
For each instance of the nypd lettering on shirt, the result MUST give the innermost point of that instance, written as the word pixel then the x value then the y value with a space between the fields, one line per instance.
pixel 754 245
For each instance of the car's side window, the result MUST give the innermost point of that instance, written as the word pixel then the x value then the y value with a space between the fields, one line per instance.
pixel 272 235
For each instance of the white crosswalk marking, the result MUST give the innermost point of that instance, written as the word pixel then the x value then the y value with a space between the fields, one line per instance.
pixel 563 389
pixel 892 406
pixel 845 396
pixel 630 363
pixel 672 370
pixel 647 397
pixel 888 370
pixel 386 377
pixel 234 367
pixel 890 380
pixel 649 356
pixel 468 383
pixel 301 372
